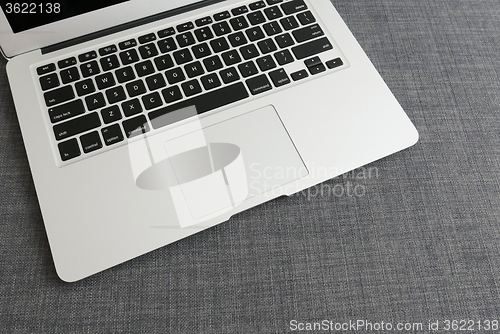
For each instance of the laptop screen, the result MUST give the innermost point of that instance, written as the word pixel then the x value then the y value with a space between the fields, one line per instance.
pixel 27 15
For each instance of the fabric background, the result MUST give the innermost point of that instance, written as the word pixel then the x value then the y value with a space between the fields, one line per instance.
pixel 422 243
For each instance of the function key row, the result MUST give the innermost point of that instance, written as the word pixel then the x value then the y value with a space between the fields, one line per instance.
pixel 237 23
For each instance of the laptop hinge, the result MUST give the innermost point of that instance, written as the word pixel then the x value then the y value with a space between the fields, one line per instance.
pixel 128 25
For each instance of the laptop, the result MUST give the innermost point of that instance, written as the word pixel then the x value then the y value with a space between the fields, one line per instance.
pixel 145 122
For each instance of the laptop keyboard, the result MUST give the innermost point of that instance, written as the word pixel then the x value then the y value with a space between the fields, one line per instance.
pixel 99 98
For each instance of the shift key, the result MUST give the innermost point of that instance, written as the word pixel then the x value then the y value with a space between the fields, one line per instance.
pixel 311 48
pixel 76 126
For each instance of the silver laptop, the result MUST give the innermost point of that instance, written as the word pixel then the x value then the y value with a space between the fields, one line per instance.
pixel 148 121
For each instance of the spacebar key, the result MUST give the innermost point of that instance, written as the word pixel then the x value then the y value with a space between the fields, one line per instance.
pixel 311 48
pixel 206 102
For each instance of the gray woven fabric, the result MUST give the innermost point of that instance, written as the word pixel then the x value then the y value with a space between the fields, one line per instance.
pixel 416 240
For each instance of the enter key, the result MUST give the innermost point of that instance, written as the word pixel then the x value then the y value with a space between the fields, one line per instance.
pixel 308 33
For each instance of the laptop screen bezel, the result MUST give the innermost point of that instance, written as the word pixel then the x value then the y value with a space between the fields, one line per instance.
pixel 13 44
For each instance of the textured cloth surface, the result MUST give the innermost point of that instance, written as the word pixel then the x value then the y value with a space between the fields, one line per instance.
pixel 417 239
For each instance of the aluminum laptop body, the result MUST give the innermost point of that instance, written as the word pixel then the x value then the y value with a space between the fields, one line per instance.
pixel 114 183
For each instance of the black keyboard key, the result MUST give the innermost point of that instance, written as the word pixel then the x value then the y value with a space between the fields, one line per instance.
pixel 307 33
pixel 127 44
pixel 191 87
pixel 334 63
pixel 166 32
pixel 84 87
pixel 182 56
pixel 49 81
pixel 201 50
pixel 289 23
pixel 248 69
pixel 267 46
pixel 219 44
pixel 167 45
pixel 131 107
pixel 76 126
pixel 203 21
pixel 135 88
pixel 46 69
pixel 185 26
pixel 283 57
pixel 175 75
pixel 212 63
pixel 302 74
pixel 266 63
pixel 66 111
pixel 111 114
pixel 194 69
pixel 210 81
pixel 125 74
pixel 66 62
pixel 257 5
pixel 259 84
pixel 205 102
pixel 314 61
pixel 109 63
pixel 164 62
pixel 221 28
pixel 59 95
pixel 115 94
pixel 107 50
pixel 69 149
pixel 95 101
pixel 279 77
pixel 171 94
pixel 203 34
pixel 147 38
pixel 284 40
pixel 87 56
pixel 69 75
pixel 152 101
pixel 148 51
pixel 306 18
pixel 311 48
pixel 293 6
pixel 155 81
pixel 221 16
pixel 91 142
pixel 231 57
pixel 272 28
pixel 273 2
pixel 185 39
pixel 129 56
pixel 135 126
pixel 112 134
pixel 317 69
pixel 256 18
pixel 239 10
pixel 144 68
pixel 229 75
pixel 255 33
pixel 89 69
pixel 249 51
pixel 237 39
pixel 273 13
pixel 105 80
pixel 239 23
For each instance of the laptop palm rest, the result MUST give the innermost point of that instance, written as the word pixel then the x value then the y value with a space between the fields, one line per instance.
pixel 212 169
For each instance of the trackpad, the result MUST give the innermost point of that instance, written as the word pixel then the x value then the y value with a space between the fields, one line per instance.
pixel 212 169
